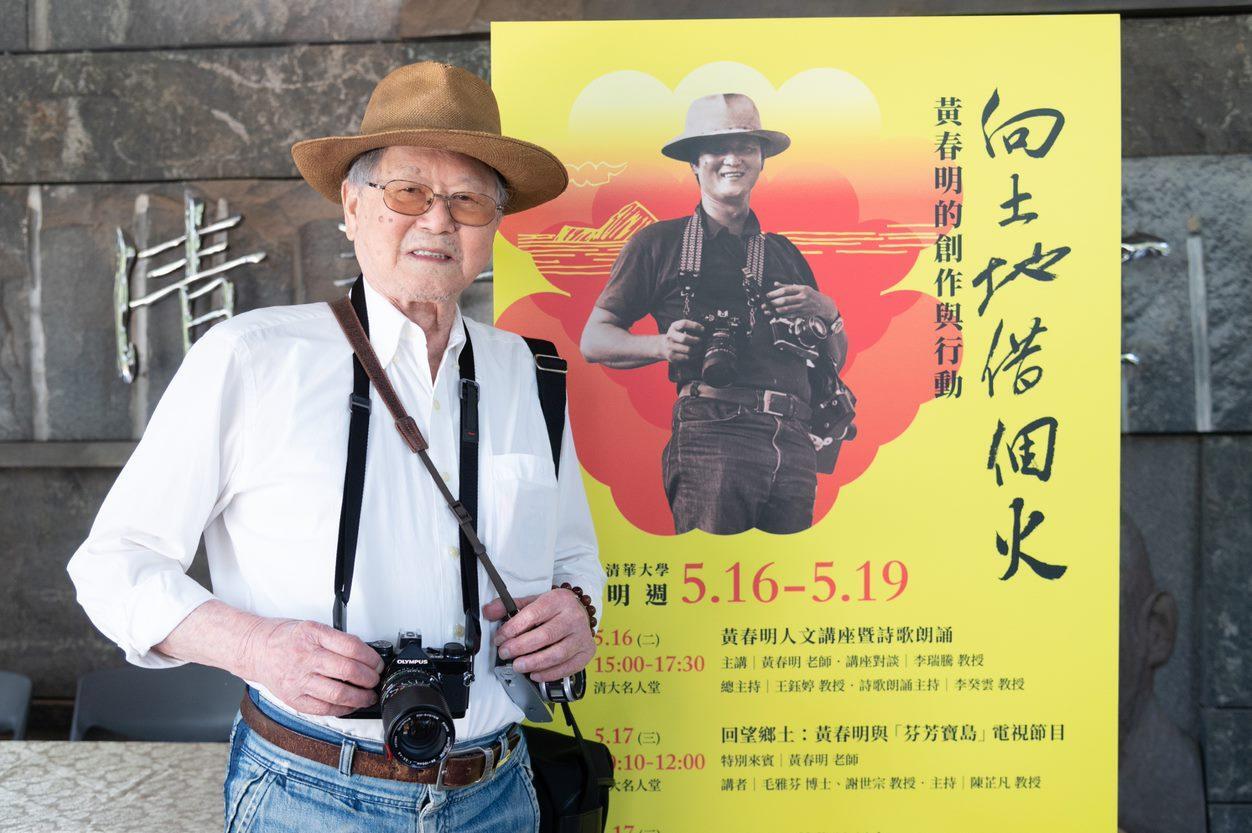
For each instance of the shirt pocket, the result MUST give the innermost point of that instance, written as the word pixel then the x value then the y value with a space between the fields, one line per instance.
pixel 521 537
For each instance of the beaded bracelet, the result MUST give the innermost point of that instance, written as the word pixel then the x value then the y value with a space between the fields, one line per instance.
pixel 582 597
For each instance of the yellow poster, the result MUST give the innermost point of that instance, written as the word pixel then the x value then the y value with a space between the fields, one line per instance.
pixel 840 302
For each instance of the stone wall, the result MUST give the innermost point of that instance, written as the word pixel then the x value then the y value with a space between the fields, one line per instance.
pixel 116 107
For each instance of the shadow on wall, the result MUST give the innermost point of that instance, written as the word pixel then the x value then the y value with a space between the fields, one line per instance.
pixel 1160 784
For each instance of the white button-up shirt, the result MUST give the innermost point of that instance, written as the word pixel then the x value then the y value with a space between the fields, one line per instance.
pixel 248 447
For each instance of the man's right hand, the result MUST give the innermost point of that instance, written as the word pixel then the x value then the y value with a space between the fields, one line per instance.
pixel 679 341
pixel 312 667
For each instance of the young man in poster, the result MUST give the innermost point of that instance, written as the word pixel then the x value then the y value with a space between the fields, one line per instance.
pixel 751 343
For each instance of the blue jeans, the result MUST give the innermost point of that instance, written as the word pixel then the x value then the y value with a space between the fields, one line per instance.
pixel 271 790
pixel 728 469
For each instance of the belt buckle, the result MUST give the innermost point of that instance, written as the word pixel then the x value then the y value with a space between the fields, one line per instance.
pixel 489 767
pixel 766 400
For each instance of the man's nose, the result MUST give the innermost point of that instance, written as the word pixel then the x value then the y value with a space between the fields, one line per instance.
pixel 437 219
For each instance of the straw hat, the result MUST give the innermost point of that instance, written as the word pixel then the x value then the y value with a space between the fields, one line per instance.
pixel 434 105
pixel 723 114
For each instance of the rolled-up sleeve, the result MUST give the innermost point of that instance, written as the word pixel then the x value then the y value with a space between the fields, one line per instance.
pixel 130 573
pixel 577 557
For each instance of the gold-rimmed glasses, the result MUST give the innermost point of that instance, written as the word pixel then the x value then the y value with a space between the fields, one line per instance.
pixel 414 199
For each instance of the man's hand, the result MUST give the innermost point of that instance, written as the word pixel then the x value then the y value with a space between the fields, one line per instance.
pixel 312 667
pixel 798 299
pixel 679 340
pixel 548 639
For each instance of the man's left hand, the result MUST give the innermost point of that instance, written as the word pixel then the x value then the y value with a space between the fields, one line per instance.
pixel 798 299
pixel 549 638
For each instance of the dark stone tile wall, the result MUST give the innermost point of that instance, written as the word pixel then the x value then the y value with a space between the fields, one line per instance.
pixel 15 409
pixel 1227 546
pixel 44 633
pixel 86 400
pixel 1227 542
pixel 1159 194
pixel 204 113
pixel 12 25
pixel 1228 739
pixel 1230 818
pixel 1186 82
pixel 92 24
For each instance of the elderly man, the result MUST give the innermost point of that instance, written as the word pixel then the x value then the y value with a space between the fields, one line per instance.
pixel 248 447
pixel 753 346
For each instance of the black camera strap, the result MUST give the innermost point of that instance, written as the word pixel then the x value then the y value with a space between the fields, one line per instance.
pixel 468 492
pixel 691 263
pixel 354 471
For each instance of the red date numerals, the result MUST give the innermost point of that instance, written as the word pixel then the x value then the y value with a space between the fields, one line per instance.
pixel 764 587
pixel 637 664
pixel 665 762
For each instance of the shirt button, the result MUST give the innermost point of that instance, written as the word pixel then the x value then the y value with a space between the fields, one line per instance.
pixel 455 552
pixel 444 474
pixel 436 404
pixel 459 631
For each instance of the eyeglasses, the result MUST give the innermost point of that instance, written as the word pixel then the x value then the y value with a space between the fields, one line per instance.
pixel 415 199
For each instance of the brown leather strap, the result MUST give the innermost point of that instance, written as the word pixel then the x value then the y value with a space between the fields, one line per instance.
pixel 459 770
pixel 773 402
pixel 351 325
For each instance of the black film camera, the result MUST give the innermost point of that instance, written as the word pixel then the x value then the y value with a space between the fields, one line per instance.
pixel 832 423
pixel 420 692
pixel 723 333
pixel 801 337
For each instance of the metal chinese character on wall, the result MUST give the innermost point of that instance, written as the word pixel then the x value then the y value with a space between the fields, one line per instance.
pixel 205 293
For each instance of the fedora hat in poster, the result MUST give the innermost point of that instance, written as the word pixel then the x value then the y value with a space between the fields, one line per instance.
pixel 723 114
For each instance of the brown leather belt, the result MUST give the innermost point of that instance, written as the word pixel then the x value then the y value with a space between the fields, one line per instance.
pixel 773 402
pixel 457 770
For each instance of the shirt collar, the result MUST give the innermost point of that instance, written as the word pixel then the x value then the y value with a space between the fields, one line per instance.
pixel 389 326
pixel 751 226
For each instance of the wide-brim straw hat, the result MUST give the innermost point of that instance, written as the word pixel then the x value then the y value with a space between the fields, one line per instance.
pixel 435 105
pixel 723 114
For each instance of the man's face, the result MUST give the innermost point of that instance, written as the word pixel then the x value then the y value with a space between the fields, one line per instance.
pixel 728 167
pixel 430 257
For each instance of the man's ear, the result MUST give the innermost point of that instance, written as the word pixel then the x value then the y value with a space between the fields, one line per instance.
pixel 349 197
pixel 1162 627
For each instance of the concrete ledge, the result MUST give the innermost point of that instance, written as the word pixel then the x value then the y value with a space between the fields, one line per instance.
pixel 87 455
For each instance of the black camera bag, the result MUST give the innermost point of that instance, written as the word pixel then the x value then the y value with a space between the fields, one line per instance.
pixel 572 775
pixel 572 779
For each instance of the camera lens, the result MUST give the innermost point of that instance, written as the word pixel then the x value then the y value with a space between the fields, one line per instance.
pixel 565 690
pixel 719 359
pixel 811 332
pixel 416 722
